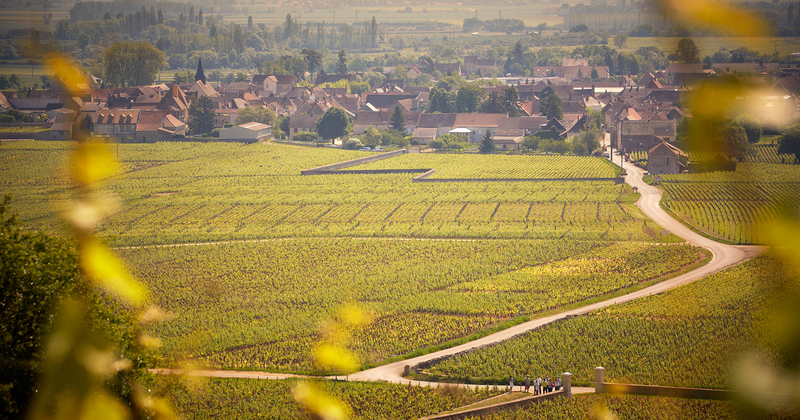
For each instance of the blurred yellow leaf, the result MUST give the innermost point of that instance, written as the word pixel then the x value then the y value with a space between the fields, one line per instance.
pixel 66 70
pixel 354 317
pixel 149 341
pixel 719 16
pixel 336 358
pixel 108 271
pixel 101 405
pixel 319 403
pixel 92 161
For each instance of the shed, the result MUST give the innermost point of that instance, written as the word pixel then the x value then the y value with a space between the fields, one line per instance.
pixel 247 133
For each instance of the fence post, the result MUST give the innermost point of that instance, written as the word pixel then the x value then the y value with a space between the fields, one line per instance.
pixel 599 373
pixel 566 382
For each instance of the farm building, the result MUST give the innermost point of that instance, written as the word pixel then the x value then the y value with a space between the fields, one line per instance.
pixel 248 133
pixel 665 158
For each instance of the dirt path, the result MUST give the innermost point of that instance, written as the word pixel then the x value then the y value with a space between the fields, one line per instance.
pixel 724 256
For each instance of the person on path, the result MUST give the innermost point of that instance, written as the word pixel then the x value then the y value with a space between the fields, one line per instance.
pixel 510 383
pixel 558 384
pixel 527 383
pixel 549 385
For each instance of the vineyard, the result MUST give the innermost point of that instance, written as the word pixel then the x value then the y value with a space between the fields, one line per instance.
pixel 632 407
pixel 761 153
pixel 258 305
pixel 183 192
pixel 685 337
pixel 243 398
pixel 500 166
pixel 738 206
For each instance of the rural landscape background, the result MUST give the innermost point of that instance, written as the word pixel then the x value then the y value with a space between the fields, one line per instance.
pixel 385 209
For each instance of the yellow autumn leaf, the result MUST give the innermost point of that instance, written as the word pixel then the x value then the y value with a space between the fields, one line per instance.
pixel 108 271
pixel 92 161
pixel 336 358
pixel 719 16
pixel 319 403
pixel 66 70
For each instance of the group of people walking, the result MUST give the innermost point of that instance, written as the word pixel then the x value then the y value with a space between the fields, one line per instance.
pixel 540 386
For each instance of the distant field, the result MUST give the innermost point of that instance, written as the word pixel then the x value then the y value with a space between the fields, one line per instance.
pixel 709 45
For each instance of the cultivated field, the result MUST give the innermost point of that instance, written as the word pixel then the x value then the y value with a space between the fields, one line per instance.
pixel 738 207
pixel 481 254
pixel 691 336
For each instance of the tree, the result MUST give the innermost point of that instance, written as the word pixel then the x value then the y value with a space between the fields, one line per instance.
pixel 467 98
pixel 789 142
pixel 132 63
pixel 511 101
pixel 283 123
pixel 357 88
pixel 487 142
pixel 14 80
pixel 687 51
pixel 238 39
pixel 341 63
pixel 201 115
pixel 258 114
pixel 250 23
pixel 494 104
pixel 620 40
pixel 312 58
pixel 551 104
pixel 397 121
pixel 734 141
pixel 333 124
pixel 751 125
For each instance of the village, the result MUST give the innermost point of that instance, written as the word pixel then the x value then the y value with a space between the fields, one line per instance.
pixel 637 115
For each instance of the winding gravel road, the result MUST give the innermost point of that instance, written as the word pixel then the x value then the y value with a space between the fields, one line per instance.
pixel 723 256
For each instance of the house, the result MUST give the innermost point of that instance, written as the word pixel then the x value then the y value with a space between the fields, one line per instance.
pixel 380 120
pixel 424 135
pixel 64 126
pixel 175 102
pixel 117 123
pixel 507 142
pixel 265 85
pixel 572 62
pixel 473 64
pixel 643 135
pixel 389 100
pixel 664 158
pixel 444 68
pixel 251 132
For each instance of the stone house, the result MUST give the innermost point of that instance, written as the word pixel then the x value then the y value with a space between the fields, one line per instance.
pixel 665 158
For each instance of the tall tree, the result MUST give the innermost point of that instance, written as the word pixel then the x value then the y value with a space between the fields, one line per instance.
pixel 734 141
pixel 550 104
pixel 134 63
pixel 789 142
pixel 258 114
pixel 373 32
pixel 487 142
pixel 238 39
pixel 467 98
pixel 687 51
pixel 312 58
pixel 511 101
pixel 752 126
pixel 341 63
pixel 201 115
pixel 397 121
pixel 620 40
pixel 333 124
pixel 494 104
pixel 250 23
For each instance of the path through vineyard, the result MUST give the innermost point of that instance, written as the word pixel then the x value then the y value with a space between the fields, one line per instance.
pixel 724 256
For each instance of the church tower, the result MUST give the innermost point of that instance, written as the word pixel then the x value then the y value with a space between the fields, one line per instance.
pixel 200 75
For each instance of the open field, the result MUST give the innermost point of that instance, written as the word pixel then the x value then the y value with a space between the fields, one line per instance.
pixel 711 44
pixel 690 336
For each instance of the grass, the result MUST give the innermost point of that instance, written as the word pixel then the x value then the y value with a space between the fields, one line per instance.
pixel 709 45
pixel 22 129
pixel 502 398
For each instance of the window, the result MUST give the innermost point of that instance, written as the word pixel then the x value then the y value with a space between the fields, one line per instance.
pixel 667 161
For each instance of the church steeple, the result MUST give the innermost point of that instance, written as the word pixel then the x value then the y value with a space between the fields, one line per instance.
pixel 200 75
